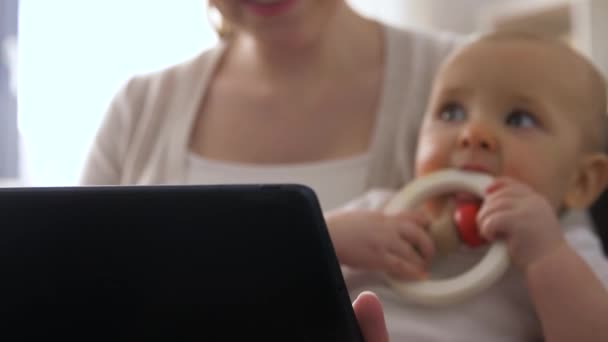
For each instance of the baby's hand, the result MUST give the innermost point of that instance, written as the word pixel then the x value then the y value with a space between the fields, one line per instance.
pixel 524 218
pixel 369 239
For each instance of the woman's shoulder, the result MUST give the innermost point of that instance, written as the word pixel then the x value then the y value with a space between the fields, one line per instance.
pixel 182 74
pixel 413 57
pixel 425 42
pixel 170 89
pixel 147 99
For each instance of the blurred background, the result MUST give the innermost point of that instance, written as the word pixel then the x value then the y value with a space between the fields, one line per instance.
pixel 63 60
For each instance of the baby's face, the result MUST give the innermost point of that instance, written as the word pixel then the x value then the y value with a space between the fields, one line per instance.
pixel 506 108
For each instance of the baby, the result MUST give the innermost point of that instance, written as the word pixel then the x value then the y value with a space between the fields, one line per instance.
pixel 531 112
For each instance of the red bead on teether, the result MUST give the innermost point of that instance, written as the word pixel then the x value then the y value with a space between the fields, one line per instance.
pixel 465 218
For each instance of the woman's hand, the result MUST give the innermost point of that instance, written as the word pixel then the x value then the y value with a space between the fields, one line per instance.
pixel 369 314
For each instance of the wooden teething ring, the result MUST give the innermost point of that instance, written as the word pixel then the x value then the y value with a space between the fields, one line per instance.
pixel 479 277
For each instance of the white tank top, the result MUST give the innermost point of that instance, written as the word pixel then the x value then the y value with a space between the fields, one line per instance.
pixel 335 181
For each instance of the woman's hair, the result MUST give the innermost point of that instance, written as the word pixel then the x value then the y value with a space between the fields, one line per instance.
pixel 221 26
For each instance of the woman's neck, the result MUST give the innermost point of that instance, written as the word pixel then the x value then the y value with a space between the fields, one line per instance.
pixel 348 43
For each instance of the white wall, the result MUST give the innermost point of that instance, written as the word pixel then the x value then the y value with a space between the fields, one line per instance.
pixel 396 12
pixel 457 15
pixel 452 15
pixel 594 17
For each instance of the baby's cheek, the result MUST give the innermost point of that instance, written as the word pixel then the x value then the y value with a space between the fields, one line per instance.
pixel 433 154
pixel 428 159
pixel 536 178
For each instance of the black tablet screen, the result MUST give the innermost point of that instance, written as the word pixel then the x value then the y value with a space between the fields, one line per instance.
pixel 223 263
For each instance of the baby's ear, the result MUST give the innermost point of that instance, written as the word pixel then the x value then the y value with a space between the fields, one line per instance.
pixel 591 181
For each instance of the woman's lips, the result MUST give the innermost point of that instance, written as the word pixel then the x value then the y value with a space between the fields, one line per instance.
pixel 270 8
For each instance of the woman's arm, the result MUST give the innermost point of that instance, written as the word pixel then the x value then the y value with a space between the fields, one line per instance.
pixel 104 162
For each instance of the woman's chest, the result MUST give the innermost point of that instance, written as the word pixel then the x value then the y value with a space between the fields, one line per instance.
pixel 302 124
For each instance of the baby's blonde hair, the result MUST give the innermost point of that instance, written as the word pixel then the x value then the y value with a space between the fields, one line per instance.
pixel 598 100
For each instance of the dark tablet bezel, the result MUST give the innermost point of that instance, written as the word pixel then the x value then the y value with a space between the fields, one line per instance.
pixel 34 204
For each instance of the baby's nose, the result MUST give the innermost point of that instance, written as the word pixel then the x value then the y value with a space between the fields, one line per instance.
pixel 477 136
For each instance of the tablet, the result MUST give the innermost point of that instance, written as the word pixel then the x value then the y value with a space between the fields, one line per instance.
pixel 172 263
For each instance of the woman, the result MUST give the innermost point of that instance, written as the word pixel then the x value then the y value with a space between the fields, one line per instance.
pixel 301 91
pixel 368 311
pixel 304 91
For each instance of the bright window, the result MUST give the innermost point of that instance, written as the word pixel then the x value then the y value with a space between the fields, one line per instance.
pixel 73 57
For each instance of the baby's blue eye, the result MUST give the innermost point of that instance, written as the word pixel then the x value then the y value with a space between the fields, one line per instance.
pixel 452 112
pixel 521 119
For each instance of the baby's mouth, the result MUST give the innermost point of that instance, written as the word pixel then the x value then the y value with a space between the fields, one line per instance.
pixel 449 202
pixel 264 2
pixel 475 168
pixel 465 198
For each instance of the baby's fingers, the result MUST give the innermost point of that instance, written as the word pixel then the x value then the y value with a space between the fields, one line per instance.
pixel 403 270
pixel 405 251
pixel 493 206
pixel 420 239
pixel 494 226
pixel 504 184
pixel 416 217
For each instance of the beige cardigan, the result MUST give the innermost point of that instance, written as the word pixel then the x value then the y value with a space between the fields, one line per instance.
pixel 143 138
